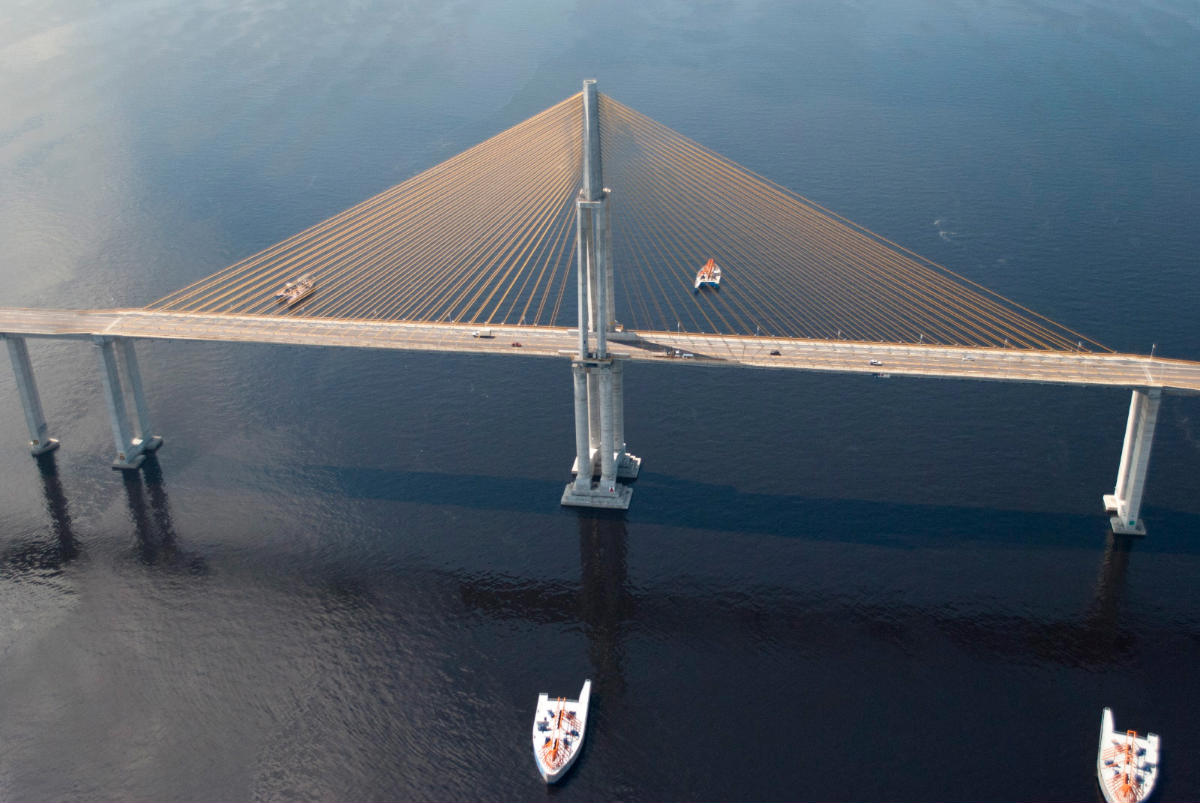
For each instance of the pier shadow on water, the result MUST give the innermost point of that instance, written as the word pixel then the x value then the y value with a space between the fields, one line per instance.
pixel 39 557
pixel 600 604
pixel 149 508
pixel 605 599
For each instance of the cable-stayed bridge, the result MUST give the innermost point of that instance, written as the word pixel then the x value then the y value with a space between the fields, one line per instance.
pixel 540 241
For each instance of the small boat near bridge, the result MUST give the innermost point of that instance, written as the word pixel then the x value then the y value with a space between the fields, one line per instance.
pixel 558 729
pixel 294 292
pixel 1126 763
pixel 709 275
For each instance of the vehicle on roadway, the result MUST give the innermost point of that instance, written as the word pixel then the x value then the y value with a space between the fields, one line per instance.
pixel 482 333
pixel 874 362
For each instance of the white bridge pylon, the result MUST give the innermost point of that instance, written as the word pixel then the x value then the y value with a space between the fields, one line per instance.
pixel 601 459
pixel 1125 502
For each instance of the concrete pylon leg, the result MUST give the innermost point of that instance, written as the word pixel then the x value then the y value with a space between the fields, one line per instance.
pixel 1126 499
pixel 129 454
pixel 593 388
pixel 592 275
pixel 582 221
pixel 583 451
pixel 608 464
pixel 603 272
pixel 627 465
pixel 605 244
pixel 40 441
pixel 147 440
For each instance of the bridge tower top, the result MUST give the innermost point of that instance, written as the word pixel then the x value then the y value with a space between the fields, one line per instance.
pixel 593 170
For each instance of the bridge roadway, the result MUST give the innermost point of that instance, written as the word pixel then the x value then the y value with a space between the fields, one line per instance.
pixel 1014 365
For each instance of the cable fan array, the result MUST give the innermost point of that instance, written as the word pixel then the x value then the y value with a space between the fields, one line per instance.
pixel 789 267
pixel 484 236
pixel 488 237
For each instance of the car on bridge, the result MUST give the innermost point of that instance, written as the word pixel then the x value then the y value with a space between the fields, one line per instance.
pixel 874 362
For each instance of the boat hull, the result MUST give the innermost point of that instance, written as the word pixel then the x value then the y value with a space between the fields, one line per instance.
pixel 1126 764
pixel 559 726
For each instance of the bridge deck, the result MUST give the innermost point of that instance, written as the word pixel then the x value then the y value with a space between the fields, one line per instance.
pixel 1014 365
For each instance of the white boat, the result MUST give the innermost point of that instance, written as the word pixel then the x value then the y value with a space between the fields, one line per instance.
pixel 558 728
pixel 709 275
pixel 295 292
pixel 1126 764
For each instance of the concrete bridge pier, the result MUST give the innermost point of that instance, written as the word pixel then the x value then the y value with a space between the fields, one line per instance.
pixel 1126 499
pixel 596 484
pixel 132 438
pixel 40 441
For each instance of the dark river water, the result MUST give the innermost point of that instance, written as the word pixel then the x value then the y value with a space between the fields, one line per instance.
pixel 347 575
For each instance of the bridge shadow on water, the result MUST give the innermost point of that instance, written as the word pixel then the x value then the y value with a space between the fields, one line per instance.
pixel 608 609
pixel 687 503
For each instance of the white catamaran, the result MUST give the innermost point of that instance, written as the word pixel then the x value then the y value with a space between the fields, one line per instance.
pixel 709 275
pixel 1127 764
pixel 558 728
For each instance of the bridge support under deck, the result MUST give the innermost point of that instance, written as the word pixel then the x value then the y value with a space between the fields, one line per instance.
pixel 1126 499
pixel 40 441
pixel 597 468
pixel 600 455
pixel 132 438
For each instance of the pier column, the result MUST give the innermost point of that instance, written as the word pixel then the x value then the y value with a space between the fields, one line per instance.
pixel 1126 499
pixel 131 447
pixel 583 453
pixel 627 465
pixel 145 435
pixel 593 385
pixel 40 441
pixel 608 465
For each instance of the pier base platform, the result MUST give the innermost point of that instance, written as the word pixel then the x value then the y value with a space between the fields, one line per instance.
pixel 42 447
pixel 1119 525
pixel 133 460
pixel 1121 528
pixel 615 496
